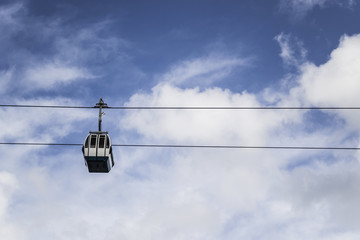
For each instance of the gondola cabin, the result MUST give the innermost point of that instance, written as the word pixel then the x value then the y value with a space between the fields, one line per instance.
pixel 97 152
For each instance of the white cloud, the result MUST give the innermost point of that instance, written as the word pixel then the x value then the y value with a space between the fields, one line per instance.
pixel 299 8
pixel 292 51
pixel 199 126
pixel 55 54
pixel 28 185
pixel 334 83
pixel 8 15
pixel 203 70
pixel 28 124
pixel 91 44
pixel 52 75
pixel 8 185
pixel 302 5
pixel 5 78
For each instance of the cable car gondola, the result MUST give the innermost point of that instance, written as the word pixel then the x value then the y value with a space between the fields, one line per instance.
pixel 97 149
pixel 97 152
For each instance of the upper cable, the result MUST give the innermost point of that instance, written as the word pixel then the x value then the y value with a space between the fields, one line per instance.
pixel 183 107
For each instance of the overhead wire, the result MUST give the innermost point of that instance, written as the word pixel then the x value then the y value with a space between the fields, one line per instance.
pixel 188 146
pixel 39 106
pixel 182 107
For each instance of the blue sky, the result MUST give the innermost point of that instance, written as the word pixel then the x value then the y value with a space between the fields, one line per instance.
pixel 181 53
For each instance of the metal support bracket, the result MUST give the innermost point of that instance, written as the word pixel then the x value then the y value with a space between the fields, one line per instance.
pixel 100 105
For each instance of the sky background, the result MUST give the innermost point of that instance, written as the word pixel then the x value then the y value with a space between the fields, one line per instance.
pixel 181 53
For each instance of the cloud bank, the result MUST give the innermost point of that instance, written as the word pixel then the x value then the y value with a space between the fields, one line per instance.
pixel 297 194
